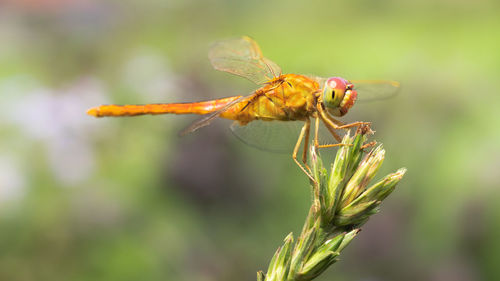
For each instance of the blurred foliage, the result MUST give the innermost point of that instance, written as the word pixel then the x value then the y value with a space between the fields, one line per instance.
pixel 125 199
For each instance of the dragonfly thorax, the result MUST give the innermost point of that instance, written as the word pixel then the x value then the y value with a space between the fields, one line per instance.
pixel 338 96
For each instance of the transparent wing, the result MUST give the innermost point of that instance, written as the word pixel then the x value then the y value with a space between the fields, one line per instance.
pixel 277 136
pixel 373 90
pixel 243 57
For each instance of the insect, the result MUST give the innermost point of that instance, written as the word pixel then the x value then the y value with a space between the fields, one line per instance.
pixel 281 97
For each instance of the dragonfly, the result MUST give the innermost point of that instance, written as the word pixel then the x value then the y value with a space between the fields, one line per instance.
pixel 281 97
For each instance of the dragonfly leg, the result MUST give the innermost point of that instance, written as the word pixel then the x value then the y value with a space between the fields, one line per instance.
pixel 305 129
pixel 306 144
pixel 341 125
pixel 329 123
pixel 355 124
pixel 333 124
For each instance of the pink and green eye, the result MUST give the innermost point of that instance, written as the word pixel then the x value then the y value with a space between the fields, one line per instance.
pixel 338 96
pixel 334 90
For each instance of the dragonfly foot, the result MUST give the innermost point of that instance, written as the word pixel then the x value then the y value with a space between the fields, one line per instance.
pixel 370 144
pixel 365 129
pixel 355 124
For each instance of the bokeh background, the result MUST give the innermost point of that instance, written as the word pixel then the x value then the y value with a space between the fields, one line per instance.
pixel 126 199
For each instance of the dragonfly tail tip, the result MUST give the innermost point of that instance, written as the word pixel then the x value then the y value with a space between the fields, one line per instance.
pixel 94 111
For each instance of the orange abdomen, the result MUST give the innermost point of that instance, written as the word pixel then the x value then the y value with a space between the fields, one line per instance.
pixel 201 108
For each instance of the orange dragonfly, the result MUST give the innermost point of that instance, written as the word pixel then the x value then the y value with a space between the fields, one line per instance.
pixel 283 97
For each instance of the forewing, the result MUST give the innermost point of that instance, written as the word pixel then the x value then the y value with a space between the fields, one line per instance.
pixel 373 90
pixel 243 57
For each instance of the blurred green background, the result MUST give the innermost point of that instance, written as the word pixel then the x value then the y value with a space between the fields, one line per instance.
pixel 126 199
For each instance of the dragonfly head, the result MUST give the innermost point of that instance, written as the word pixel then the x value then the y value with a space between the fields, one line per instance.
pixel 338 96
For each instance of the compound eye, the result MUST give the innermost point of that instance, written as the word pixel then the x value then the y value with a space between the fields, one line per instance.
pixel 337 83
pixel 334 91
pixel 332 83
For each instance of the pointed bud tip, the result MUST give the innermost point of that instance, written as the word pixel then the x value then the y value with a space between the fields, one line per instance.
pixel 379 154
pixel 400 173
